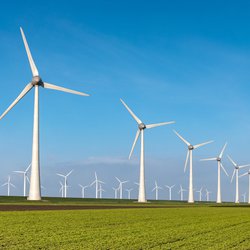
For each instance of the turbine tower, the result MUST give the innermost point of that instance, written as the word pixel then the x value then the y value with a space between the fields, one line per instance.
pixel 8 184
pixel 140 132
pixel 220 166
pixel 36 82
pixel 169 191
pixel 236 172
pixel 96 182
pixel 190 157
pixel 200 193
pixel 120 186
pixel 83 190
pixel 25 178
pixel 207 194
pixel 65 182
pixel 181 192
pixel 129 193
pixel 247 173
pixel 156 189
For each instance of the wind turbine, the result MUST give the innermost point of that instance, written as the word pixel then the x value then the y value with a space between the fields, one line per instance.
pixel 247 173
pixel 116 190
pixel 61 189
pixel 140 132
pixel 36 82
pixel 129 192
pixel 83 190
pixel 220 166
pixel 101 190
pixel 244 197
pixel 96 182
pixel 9 184
pixel 181 192
pixel 25 178
pixel 207 194
pixel 156 189
pixel 170 191
pixel 190 157
pixel 236 172
pixel 200 193
pixel 65 182
pixel 120 186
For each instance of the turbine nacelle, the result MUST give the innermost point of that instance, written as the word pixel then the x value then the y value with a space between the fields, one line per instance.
pixel 218 159
pixel 190 147
pixel 37 80
pixel 141 126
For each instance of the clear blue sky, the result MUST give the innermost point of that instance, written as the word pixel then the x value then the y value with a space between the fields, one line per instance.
pixel 186 61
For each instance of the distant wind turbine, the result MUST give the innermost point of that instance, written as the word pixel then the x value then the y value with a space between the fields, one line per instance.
pixel 181 192
pixel 207 194
pixel 61 189
pixel 65 182
pixel 156 189
pixel 101 190
pixel 83 190
pixel 140 132
pixel 170 191
pixel 8 184
pixel 247 173
pixel 97 183
pixel 200 193
pixel 36 82
pixel 190 157
pixel 25 178
pixel 116 191
pixel 120 186
pixel 129 192
pixel 244 197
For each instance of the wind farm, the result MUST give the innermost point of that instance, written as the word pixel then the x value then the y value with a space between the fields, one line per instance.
pixel 74 175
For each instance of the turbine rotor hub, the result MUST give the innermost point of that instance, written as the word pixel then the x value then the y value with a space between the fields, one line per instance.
pixel 141 126
pixel 37 80
pixel 190 147
pixel 218 159
pixel 237 167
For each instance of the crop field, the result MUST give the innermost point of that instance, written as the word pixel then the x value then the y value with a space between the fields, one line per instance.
pixel 168 225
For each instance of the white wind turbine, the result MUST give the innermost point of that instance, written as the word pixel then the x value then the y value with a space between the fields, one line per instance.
pixel 181 191
pixel 129 192
pixel 200 193
pixel 247 173
pixel 244 197
pixel 101 190
pixel 8 184
pixel 220 166
pixel 156 189
pixel 25 178
pixel 140 132
pixel 207 194
pixel 61 189
pixel 169 191
pixel 120 186
pixel 236 172
pixel 96 182
pixel 83 190
pixel 36 82
pixel 190 157
pixel 116 190
pixel 65 182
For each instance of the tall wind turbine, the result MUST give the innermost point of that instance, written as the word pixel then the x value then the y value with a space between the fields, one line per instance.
pixel 65 182
pixel 140 132
pixel 220 166
pixel 247 173
pixel 25 178
pixel 96 182
pixel 181 192
pixel 120 186
pixel 236 172
pixel 36 82
pixel 8 184
pixel 156 189
pixel 207 194
pixel 169 191
pixel 129 192
pixel 83 190
pixel 190 157
pixel 200 193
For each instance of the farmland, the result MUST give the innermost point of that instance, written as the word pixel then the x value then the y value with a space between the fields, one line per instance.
pixel 167 226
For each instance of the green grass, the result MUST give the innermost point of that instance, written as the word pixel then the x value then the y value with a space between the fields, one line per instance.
pixel 199 227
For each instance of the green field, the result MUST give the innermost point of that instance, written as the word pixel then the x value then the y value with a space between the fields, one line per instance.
pixel 201 226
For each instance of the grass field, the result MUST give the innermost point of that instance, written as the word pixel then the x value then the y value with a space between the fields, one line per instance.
pixel 201 226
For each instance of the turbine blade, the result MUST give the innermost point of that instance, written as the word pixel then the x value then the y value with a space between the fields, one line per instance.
pixel 134 143
pixel 232 161
pixel 202 144
pixel 224 169
pixel 28 179
pixel 186 161
pixel 19 172
pixel 209 159
pixel 12 185
pixel 222 151
pixel 186 142
pixel 21 95
pixel 61 175
pixel 118 179
pixel 32 64
pixel 233 175
pixel 55 87
pixel 69 172
pixel 159 124
pixel 243 174
pixel 243 166
pixel 131 112
pixel 27 169
pixel 6 183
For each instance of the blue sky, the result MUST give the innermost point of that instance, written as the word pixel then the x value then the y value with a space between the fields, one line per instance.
pixel 186 61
